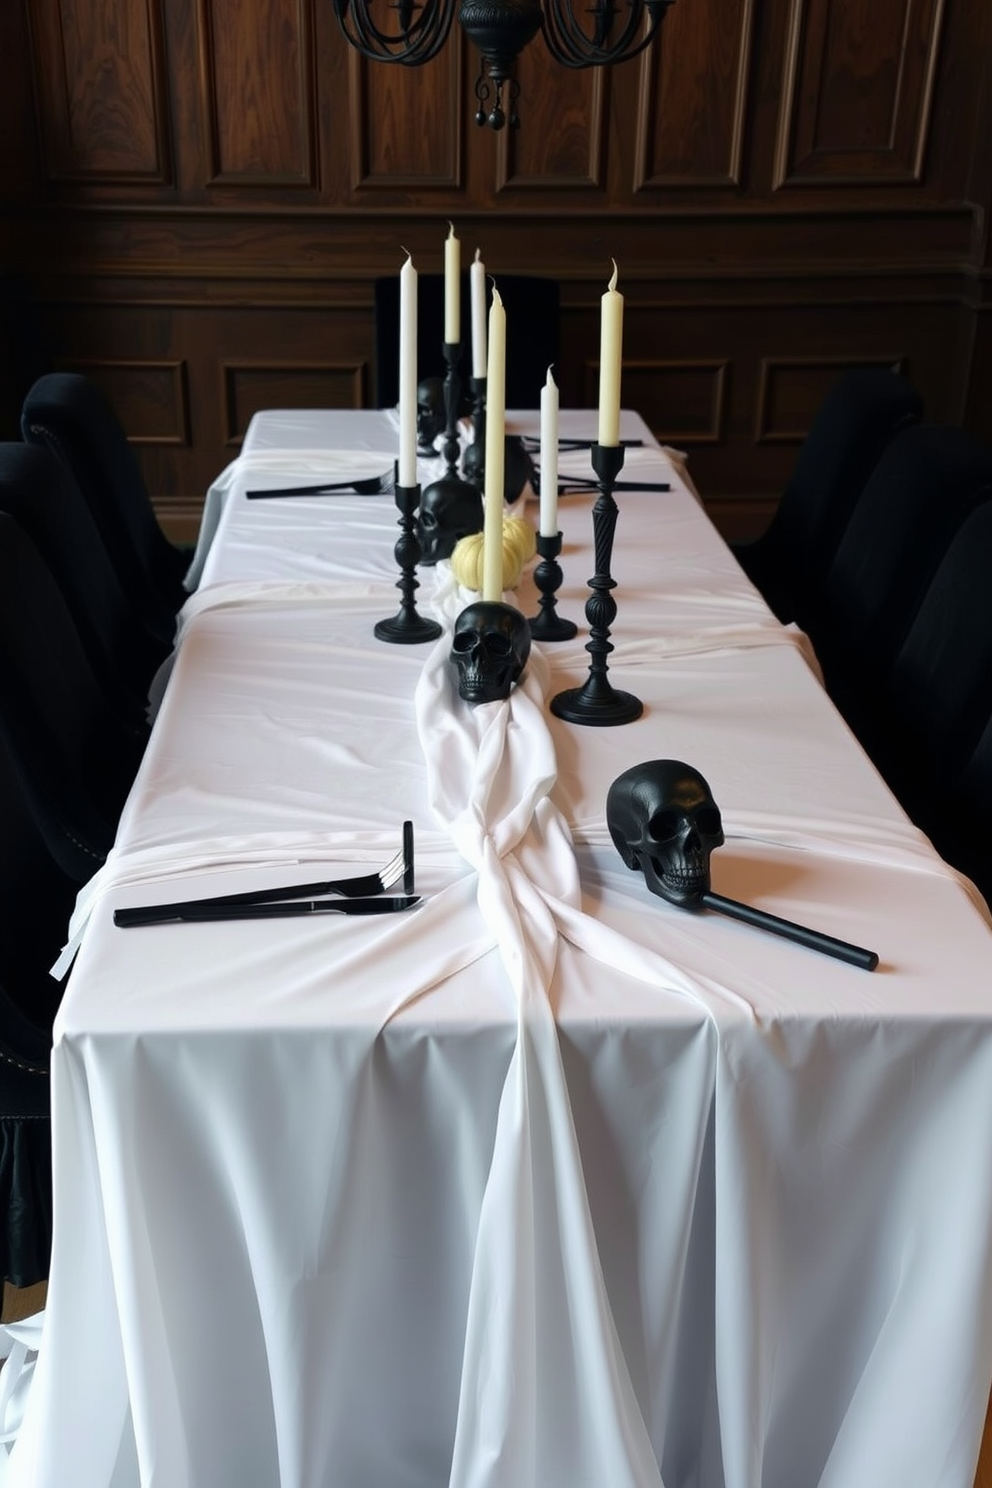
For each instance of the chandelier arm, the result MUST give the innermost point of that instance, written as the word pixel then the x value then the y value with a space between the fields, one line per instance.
pixel 571 47
pixel 415 44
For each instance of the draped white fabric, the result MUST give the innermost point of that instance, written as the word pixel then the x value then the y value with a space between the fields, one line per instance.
pixel 544 1183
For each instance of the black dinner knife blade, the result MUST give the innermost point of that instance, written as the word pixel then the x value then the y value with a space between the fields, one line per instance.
pixel 381 904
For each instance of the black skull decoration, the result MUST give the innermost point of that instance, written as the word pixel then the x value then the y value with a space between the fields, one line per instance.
pixel 518 467
pixel 489 647
pixel 665 823
pixel 431 415
pixel 450 509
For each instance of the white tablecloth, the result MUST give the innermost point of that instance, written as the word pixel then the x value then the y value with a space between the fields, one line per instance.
pixel 334 1206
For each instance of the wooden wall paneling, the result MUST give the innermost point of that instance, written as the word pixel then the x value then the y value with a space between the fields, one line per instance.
pixel 693 98
pixel 858 91
pixel 561 142
pixel 101 89
pixel 268 383
pixel 150 398
pixel 258 92
pixel 407 124
pixel 791 389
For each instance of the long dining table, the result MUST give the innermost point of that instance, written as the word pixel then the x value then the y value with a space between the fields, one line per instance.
pixel 545 1182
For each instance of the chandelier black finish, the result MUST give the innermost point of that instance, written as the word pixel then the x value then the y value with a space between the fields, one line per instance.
pixel 500 29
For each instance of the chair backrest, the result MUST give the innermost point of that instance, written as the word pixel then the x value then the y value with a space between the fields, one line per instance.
pixel 69 414
pixel 931 734
pixel 26 1149
pixel 37 490
pixel 926 483
pixel 861 414
pixel 532 310
pixel 55 717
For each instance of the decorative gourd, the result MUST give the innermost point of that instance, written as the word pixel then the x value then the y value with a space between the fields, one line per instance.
pixel 519 547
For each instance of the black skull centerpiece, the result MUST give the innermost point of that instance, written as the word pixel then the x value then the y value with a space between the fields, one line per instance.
pixel 665 823
pixel 518 467
pixel 450 509
pixel 489 647
pixel 431 415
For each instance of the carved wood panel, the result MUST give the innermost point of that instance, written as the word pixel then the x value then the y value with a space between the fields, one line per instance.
pixel 249 387
pixel 149 398
pixel 857 100
pixel 791 389
pixel 406 123
pixel 561 141
pixel 693 97
pixel 100 84
pixel 257 77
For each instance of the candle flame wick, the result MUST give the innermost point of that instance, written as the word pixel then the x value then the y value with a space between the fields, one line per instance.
pixel 613 281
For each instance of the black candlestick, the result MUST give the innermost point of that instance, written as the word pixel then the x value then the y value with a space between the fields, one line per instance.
pixel 549 625
pixel 597 701
pixel 407 627
pixel 474 459
pixel 452 396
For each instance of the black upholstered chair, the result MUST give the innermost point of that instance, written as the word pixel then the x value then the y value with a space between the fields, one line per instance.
pixel 928 727
pixel 532 306
pixel 54 713
pixel 69 415
pixel 25 1149
pixel 37 490
pixel 926 483
pixel 855 423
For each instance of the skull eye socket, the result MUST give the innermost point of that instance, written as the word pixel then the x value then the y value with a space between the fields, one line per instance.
pixel 708 821
pixel 663 825
pixel 464 641
pixel 499 644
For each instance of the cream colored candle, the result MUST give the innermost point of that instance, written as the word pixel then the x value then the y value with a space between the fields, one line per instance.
pixel 408 374
pixel 549 457
pixel 492 531
pixel 477 282
pixel 610 361
pixel 452 288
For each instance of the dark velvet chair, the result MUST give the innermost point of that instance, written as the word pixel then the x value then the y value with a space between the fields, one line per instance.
pixel 924 487
pixel 929 728
pixel 69 415
pixel 853 426
pixel 37 490
pixel 532 309
pixel 54 713
pixel 25 1149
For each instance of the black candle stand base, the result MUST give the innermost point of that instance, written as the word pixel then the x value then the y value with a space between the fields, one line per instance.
pixel 548 625
pixel 407 627
pixel 597 702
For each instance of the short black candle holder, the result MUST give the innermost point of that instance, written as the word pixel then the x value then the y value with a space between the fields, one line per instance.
pixel 407 627
pixel 548 625
pixel 452 397
pixel 597 702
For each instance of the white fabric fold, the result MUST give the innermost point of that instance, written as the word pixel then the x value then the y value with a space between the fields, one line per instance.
pixel 536 1272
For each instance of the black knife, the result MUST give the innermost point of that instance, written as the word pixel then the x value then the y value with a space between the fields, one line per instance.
pixel 152 914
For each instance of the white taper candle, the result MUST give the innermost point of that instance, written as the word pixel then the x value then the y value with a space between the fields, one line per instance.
pixel 408 374
pixel 452 288
pixel 492 531
pixel 549 457
pixel 477 281
pixel 610 361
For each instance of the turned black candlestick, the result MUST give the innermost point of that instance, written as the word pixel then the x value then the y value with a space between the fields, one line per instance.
pixel 548 625
pixel 474 459
pixel 407 627
pixel 597 701
pixel 452 396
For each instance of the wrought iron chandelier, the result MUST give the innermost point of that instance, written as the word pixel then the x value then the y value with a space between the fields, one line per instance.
pixel 500 29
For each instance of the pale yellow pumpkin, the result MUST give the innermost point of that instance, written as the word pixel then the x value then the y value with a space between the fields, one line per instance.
pixel 519 547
